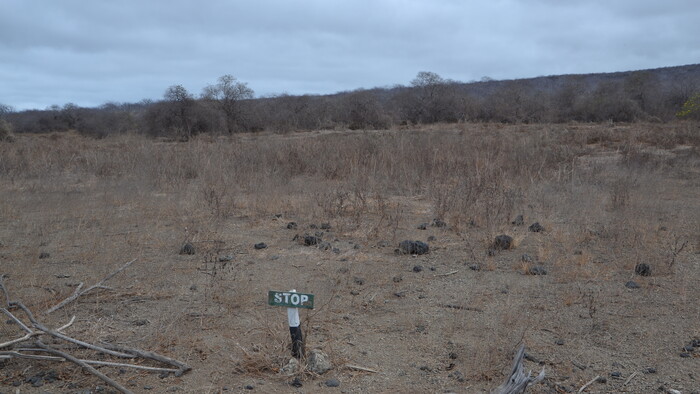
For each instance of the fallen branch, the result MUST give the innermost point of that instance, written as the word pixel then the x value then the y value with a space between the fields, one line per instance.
pixel 588 384
pixel 359 368
pixel 77 293
pixel 517 381
pixel 182 367
pixel 447 274
pixel 630 378
pixel 460 307
pixel 85 366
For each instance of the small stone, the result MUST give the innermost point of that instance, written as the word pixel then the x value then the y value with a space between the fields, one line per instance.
pixel 417 268
pixel 164 374
pixel 249 387
pixel 140 322
pixel 431 238
pixel 526 258
pixel 356 246
pixel 475 267
pixel 291 368
pixel 453 356
pixel 193 288
pixel 355 292
pixel 536 227
pixel 519 220
pixel 44 255
pixel 602 380
pixel 413 247
pixel 397 279
pixel 358 281
pixel 332 383
pixel 313 226
pixel 631 285
pixel 325 226
pixel 382 244
pixel 689 348
pixel 226 258
pixel 685 355
pixel 615 374
pixel 438 223
pixel 318 362
pixel 336 250
pixel 310 240
pixel 559 342
pixel 261 245
pixel 503 242
pixel 292 225
pixel 187 248
pixel 649 370
pixel 325 246
pixel 642 269
pixel 578 252
pixel 296 382
pixel 537 270
pixel 422 226
pixel 148 387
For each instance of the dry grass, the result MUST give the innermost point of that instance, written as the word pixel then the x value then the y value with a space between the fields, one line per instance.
pixel 608 197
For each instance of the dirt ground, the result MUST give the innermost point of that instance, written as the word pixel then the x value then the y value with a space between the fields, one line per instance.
pixel 447 321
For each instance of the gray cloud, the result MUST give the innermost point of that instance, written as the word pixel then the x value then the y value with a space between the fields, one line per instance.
pixel 91 52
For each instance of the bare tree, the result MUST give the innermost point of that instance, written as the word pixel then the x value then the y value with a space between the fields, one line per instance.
pixel 226 95
pixel 181 107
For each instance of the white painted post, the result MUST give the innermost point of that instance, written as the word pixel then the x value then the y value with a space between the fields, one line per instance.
pixel 295 331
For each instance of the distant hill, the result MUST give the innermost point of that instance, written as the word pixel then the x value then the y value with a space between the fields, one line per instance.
pixel 626 96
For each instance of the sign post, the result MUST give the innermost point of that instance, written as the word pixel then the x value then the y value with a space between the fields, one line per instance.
pixel 293 301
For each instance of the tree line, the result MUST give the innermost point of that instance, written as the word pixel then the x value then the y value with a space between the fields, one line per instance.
pixel 228 106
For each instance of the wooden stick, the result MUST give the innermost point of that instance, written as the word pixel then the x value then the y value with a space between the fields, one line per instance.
pixel 446 274
pixel 4 290
pixel 66 337
pixel 359 368
pixel 11 354
pixel 77 293
pixel 630 378
pixel 182 367
pixel 85 366
pixel 589 383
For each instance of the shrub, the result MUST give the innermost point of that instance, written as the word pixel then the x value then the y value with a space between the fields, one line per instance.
pixel 5 131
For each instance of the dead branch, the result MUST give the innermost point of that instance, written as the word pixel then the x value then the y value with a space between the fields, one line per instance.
pixel 517 381
pixel 59 335
pixel 77 293
pixel 588 384
pixel 182 367
pixel 37 329
pixel 85 366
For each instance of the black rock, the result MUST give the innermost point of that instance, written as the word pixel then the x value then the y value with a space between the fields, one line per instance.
pixel 226 258
pixel 526 258
pixel 503 242
pixel 397 279
pixel 413 247
pixel 519 220
pixel 382 244
pixel 649 370
pixel 615 374
pixel 689 348
pixel 685 355
pixel 296 382
pixel 537 270
pixel 695 343
pixel 475 267
pixel 249 387
pixel 187 248
pixel 325 246
pixel 44 255
pixel 642 269
pixel 631 285
pixel 332 383
pixel 431 238
pixel 422 226
pixel 438 223
pixel 313 226
pixel 559 342
pixel 418 268
pixel 536 227
pixel 325 226
pixel 261 245
pixel 292 225
pixel 358 281
pixel 310 240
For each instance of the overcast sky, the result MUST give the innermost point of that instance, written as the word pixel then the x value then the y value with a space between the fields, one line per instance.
pixel 89 52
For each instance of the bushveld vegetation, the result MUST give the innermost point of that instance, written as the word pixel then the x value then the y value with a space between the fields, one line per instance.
pixel 228 106
pixel 609 197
